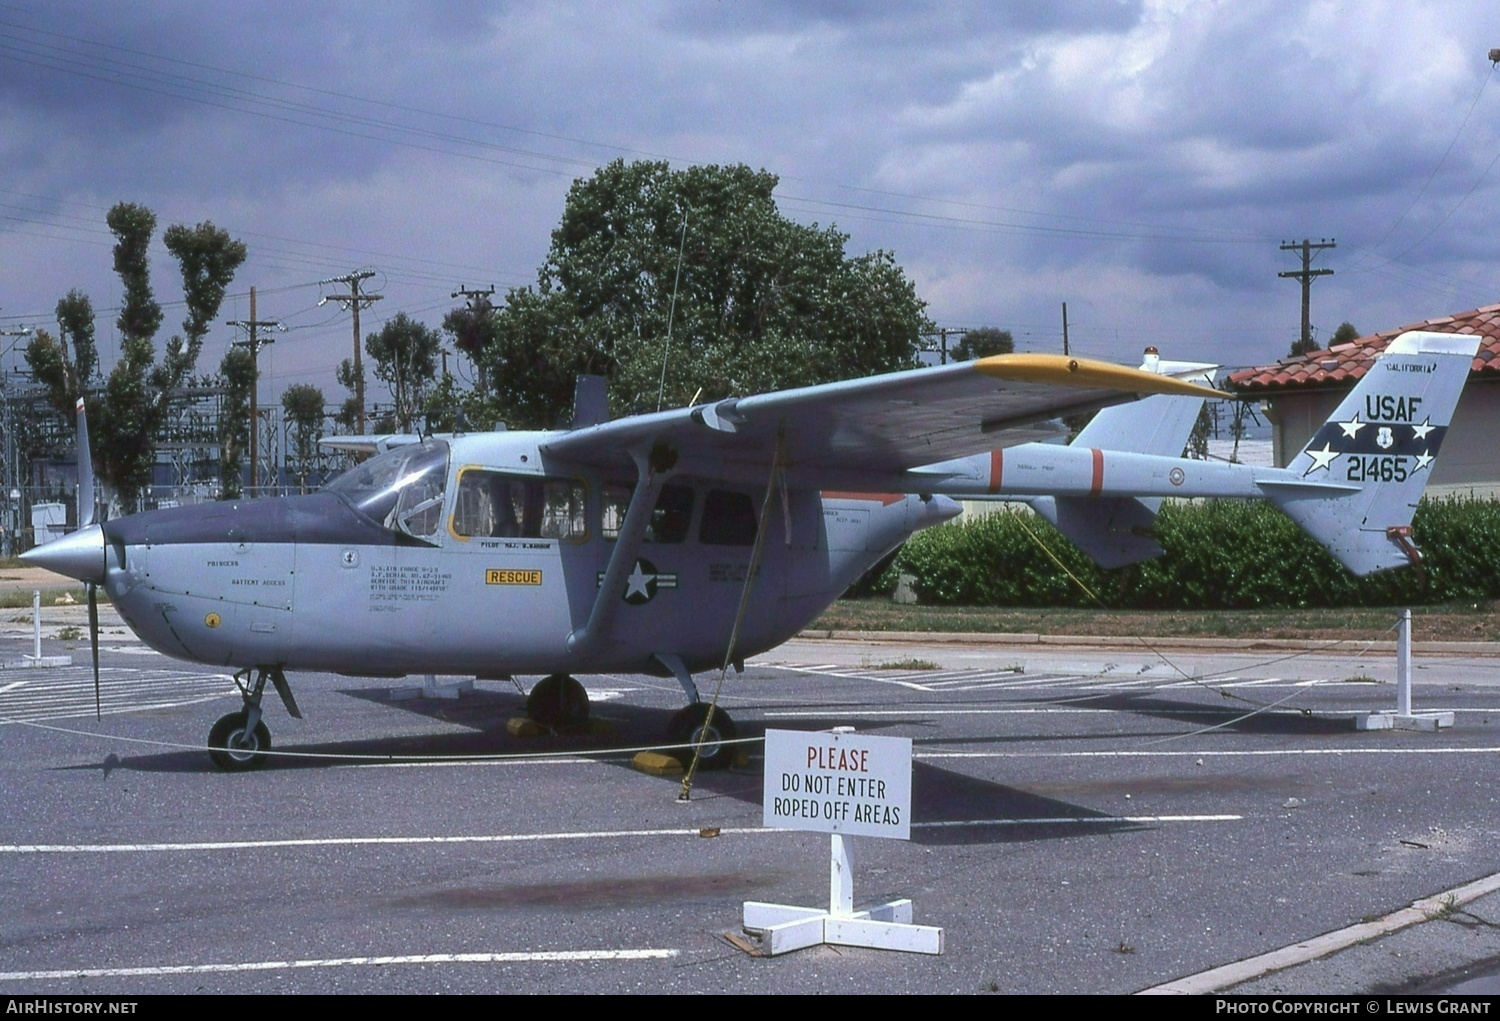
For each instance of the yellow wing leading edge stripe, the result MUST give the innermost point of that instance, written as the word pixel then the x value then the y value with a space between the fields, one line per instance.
pixel 1061 370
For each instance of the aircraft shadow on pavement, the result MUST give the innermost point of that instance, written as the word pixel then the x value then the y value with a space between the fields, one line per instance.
pixel 960 809
pixel 1243 717
pixel 484 717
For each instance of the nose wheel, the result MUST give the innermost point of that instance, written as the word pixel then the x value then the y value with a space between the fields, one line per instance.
pixel 235 745
pixel 240 741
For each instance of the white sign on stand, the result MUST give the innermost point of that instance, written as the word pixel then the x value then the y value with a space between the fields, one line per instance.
pixel 836 782
pixel 847 785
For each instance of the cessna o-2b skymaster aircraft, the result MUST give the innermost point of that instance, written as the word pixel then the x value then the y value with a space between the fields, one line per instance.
pixel 626 545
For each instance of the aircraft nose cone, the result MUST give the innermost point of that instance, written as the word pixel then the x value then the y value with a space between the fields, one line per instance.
pixel 78 555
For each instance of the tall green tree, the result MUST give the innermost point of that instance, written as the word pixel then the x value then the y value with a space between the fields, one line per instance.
pixel 125 423
pixel 1346 332
pixel 208 258
pixel 696 271
pixel 302 404
pixel 405 354
pixel 66 364
pixel 981 343
pixel 237 373
pixel 472 328
pixel 348 413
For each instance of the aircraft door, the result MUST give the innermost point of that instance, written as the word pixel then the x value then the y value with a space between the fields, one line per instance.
pixel 514 556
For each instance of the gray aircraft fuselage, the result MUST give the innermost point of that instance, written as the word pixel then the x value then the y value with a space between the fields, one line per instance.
pixel 498 564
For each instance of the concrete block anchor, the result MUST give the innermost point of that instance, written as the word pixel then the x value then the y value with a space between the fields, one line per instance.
pixel 432 689
pixel 1402 717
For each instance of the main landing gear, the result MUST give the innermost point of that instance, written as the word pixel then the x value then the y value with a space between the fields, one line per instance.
pixel 558 701
pixel 239 741
pixel 701 722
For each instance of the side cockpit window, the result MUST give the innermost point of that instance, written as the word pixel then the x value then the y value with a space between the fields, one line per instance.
pixel 670 518
pixel 401 489
pixel 728 519
pixel 495 504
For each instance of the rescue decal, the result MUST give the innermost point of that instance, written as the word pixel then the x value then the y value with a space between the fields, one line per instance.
pixel 511 576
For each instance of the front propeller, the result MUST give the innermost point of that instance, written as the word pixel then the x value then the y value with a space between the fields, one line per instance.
pixel 94 645
pixel 82 554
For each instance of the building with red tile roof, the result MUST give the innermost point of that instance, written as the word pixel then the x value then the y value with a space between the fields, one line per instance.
pixel 1302 391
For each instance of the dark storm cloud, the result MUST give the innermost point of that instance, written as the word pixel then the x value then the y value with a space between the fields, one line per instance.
pixel 906 24
pixel 1141 157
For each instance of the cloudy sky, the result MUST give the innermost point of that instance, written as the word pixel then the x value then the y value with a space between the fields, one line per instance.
pixel 1141 161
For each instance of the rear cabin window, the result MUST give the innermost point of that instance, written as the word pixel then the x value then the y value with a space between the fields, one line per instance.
pixel 728 519
pixel 670 518
pixel 493 504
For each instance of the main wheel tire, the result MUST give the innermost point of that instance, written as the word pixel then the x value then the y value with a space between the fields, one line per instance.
pixel 234 749
pixel 558 701
pixel 686 728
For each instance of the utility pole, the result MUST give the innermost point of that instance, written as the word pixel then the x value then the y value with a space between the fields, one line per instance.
pixel 354 301
pixel 12 493
pixel 1306 274
pixel 253 325
pixel 479 303
pixel 943 333
pixel 1065 329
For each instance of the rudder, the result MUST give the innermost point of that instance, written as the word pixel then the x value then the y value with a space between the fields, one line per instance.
pixel 1382 441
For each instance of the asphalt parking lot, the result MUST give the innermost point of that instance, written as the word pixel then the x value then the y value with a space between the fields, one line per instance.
pixel 1101 819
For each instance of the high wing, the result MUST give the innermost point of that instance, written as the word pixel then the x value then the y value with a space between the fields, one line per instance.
pixel 864 433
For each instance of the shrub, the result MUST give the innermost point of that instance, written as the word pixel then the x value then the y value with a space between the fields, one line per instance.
pixel 1220 554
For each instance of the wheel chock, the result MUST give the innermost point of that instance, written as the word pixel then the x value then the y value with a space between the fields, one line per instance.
pixel 657 764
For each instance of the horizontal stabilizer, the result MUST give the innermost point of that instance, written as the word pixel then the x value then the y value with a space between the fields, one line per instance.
pixel 1112 532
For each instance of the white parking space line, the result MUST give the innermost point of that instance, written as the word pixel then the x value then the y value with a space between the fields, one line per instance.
pixel 1208 753
pixel 1070 820
pixel 522 957
pixel 69 692
pixel 1012 680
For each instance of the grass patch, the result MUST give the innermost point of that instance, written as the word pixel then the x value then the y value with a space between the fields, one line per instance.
pixel 1445 908
pixel 14 599
pixel 1466 621
pixel 907 664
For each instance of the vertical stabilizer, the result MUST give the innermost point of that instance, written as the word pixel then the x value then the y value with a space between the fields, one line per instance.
pixel 1383 440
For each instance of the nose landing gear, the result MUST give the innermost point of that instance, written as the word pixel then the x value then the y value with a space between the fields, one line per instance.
pixel 239 741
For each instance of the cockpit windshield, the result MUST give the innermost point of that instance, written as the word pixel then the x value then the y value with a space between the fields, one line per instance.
pixel 402 489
